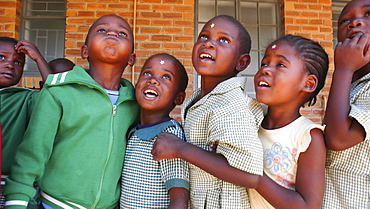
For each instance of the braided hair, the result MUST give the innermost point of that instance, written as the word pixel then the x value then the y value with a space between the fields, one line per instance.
pixel 315 59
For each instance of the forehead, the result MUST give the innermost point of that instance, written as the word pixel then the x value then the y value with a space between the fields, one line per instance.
pixel 221 24
pixel 8 48
pixel 110 19
pixel 282 47
pixel 355 5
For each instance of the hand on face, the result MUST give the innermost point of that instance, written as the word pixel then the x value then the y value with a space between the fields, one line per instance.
pixel 358 49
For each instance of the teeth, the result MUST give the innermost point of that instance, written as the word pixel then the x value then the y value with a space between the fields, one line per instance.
pixel 262 83
pixel 202 56
pixel 151 92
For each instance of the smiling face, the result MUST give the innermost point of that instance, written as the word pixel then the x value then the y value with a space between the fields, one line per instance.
pixel 109 40
pixel 11 65
pixel 354 18
pixel 216 52
pixel 159 85
pixel 281 76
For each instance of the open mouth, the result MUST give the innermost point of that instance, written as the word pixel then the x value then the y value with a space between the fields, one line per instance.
pixel 150 93
pixel 206 56
pixel 263 84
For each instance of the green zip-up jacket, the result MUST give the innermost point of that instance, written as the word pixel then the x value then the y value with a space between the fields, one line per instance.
pixel 75 144
pixel 15 111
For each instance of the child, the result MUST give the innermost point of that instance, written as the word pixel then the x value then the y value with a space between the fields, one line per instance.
pixel 219 113
pixel 75 144
pixel 292 72
pixel 59 65
pixel 347 118
pixel 16 103
pixel 165 184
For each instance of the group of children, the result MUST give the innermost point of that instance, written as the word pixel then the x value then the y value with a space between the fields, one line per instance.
pixel 93 141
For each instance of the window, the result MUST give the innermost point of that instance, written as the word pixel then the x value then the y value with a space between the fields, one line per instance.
pixel 337 6
pixel 43 23
pixel 259 17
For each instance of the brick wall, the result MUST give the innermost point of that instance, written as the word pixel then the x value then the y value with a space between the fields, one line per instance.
pixel 168 26
pixel 10 11
pixel 311 19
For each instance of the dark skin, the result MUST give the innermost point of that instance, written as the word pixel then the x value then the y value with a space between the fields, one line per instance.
pixel 289 87
pixel 163 79
pixel 223 61
pixel 343 132
pixel 109 50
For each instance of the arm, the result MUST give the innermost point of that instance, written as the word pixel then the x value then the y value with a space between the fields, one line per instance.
pixel 341 131
pixel 310 179
pixel 169 146
pixel 179 198
pixel 33 52
pixel 33 152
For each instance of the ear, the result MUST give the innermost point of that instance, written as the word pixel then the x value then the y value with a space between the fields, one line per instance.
pixel 310 83
pixel 132 59
pixel 180 98
pixel 244 61
pixel 84 52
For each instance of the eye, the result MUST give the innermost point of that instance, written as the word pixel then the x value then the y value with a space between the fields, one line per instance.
pixel 346 20
pixel 167 77
pixel 122 34
pixel 367 13
pixel 203 37
pixel 263 64
pixel 281 65
pixel 2 57
pixel 102 31
pixel 147 73
pixel 18 63
pixel 224 40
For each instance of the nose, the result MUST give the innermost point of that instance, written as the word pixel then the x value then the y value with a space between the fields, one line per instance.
pixel 356 23
pixel 112 33
pixel 153 81
pixel 265 70
pixel 9 65
pixel 208 44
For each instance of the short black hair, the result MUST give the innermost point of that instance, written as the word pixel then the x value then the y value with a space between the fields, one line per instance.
pixel 8 40
pixel 315 59
pixel 244 37
pixel 183 74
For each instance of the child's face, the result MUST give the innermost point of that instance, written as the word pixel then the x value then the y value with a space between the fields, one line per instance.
pixel 216 52
pixel 110 40
pixel 157 88
pixel 281 75
pixel 354 18
pixel 11 65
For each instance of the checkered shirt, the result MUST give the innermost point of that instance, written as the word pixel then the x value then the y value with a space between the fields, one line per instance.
pixel 229 118
pixel 145 182
pixel 348 171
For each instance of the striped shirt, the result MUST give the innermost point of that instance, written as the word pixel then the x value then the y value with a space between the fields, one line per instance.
pixel 145 182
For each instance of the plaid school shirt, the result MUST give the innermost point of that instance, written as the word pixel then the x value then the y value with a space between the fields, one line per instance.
pixel 348 171
pixel 145 182
pixel 231 119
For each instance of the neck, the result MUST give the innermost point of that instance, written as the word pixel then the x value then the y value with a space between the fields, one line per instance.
pixel 107 75
pixel 361 72
pixel 209 83
pixel 150 117
pixel 277 118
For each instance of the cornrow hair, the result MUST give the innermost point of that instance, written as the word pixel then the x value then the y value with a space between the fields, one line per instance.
pixel 315 59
